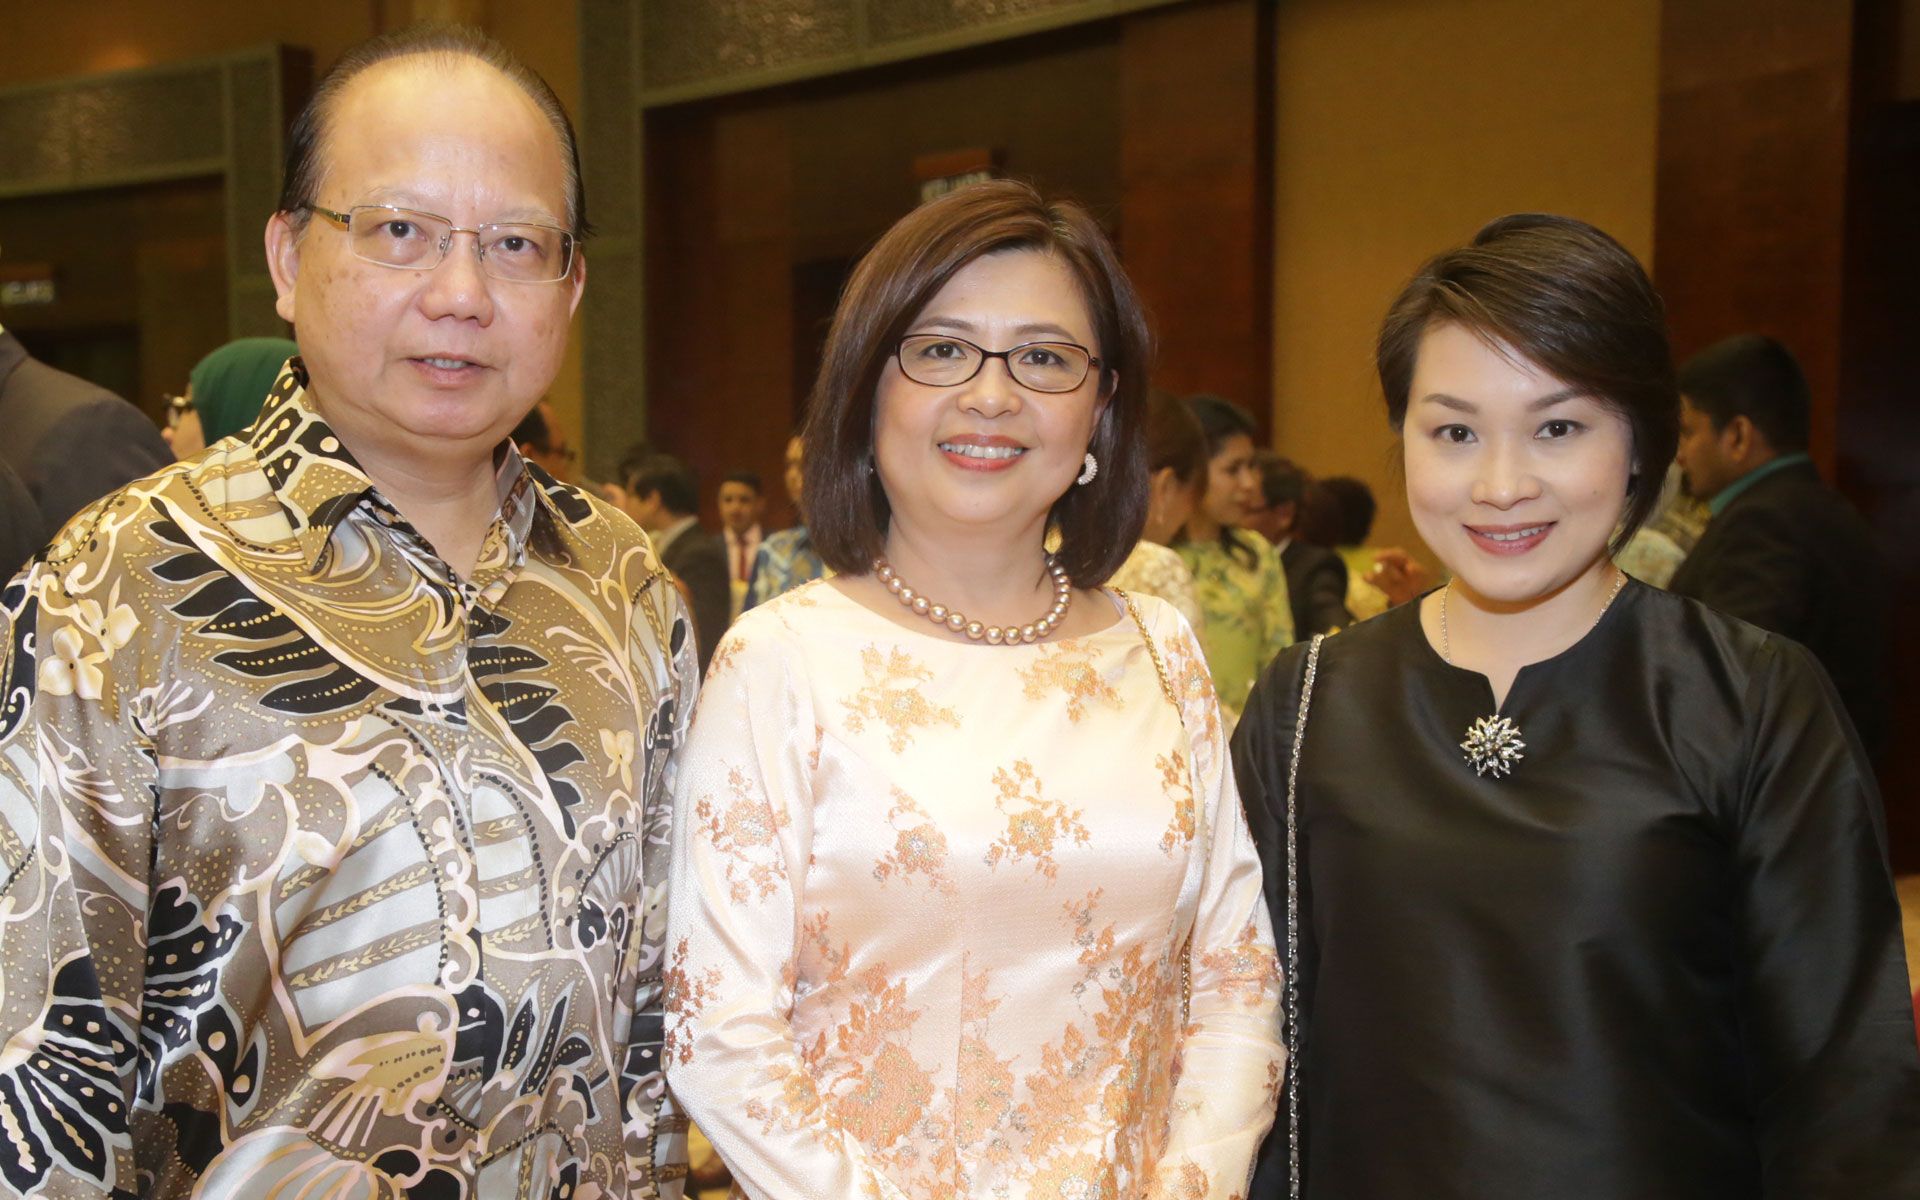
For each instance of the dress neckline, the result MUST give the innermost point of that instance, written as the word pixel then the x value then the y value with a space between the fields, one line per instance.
pixel 1121 624
pixel 1429 654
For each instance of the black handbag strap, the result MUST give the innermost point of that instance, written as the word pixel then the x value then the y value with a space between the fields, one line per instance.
pixel 1292 1000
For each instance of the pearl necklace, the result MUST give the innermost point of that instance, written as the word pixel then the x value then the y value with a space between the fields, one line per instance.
pixel 1493 743
pixel 956 622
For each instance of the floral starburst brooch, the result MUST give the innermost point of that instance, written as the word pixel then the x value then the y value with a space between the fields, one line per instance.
pixel 1493 745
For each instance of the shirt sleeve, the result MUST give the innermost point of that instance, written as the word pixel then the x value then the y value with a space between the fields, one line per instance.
pixel 96 450
pixel 1835 1075
pixel 1231 1059
pixel 1758 572
pixel 742 841
pixel 77 796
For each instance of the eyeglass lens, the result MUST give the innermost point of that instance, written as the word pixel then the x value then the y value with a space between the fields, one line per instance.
pixel 415 240
pixel 939 361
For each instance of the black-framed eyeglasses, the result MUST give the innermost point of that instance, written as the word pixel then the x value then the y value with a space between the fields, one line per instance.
pixel 410 240
pixel 942 360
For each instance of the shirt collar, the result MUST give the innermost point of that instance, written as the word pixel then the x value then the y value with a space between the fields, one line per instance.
pixel 672 533
pixel 1733 491
pixel 318 482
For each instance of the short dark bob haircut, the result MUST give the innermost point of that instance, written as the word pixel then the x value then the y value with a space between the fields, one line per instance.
pixel 1567 299
pixel 847 510
pixel 305 164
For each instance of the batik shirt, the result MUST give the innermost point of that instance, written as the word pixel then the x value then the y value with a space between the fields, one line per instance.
pixel 325 872
pixel 784 561
pixel 936 906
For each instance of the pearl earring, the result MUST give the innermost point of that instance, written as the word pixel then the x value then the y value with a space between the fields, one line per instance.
pixel 1091 469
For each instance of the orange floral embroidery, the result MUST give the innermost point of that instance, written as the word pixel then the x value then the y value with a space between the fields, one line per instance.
pixel 1095 949
pixel 1067 669
pixel 685 996
pixel 1116 1077
pixel 744 833
pixel 1190 1183
pixel 1193 683
pixel 985 1082
pixel 892 698
pixel 860 1069
pixel 889 1095
pixel 1034 823
pixel 1081 1177
pixel 1247 969
pixel 723 656
pixel 918 846
pixel 797 1110
pixel 1136 1021
pixel 1177 782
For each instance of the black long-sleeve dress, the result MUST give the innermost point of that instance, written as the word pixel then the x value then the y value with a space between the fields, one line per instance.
pixel 1659 961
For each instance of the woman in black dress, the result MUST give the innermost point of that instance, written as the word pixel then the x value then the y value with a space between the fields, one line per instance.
pixel 1587 883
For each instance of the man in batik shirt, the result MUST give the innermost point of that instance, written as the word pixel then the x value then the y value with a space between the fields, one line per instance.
pixel 332 760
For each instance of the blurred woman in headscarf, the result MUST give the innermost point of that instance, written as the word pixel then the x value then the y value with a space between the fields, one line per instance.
pixel 224 393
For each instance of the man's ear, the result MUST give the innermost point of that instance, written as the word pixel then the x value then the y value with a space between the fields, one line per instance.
pixel 283 262
pixel 1739 438
pixel 577 280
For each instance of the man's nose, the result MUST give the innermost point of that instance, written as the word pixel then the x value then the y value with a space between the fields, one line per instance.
pixel 458 285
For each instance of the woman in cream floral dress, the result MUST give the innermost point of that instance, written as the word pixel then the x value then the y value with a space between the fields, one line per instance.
pixel 963 900
pixel 1176 475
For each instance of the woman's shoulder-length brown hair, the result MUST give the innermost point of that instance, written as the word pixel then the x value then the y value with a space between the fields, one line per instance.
pixel 846 508
pixel 1572 301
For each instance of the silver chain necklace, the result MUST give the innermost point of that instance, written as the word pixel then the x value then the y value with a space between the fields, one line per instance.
pixel 1493 742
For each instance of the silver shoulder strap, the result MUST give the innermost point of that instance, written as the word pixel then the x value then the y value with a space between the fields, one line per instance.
pixel 1293 921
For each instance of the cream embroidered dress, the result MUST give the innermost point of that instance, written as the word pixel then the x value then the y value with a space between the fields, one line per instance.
pixel 932 901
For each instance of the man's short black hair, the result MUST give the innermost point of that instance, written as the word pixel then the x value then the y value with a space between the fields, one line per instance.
pixel 647 471
pixel 1282 481
pixel 749 478
pixel 1355 507
pixel 1753 376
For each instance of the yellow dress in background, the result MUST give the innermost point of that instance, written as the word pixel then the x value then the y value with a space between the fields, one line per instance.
pixel 1243 591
